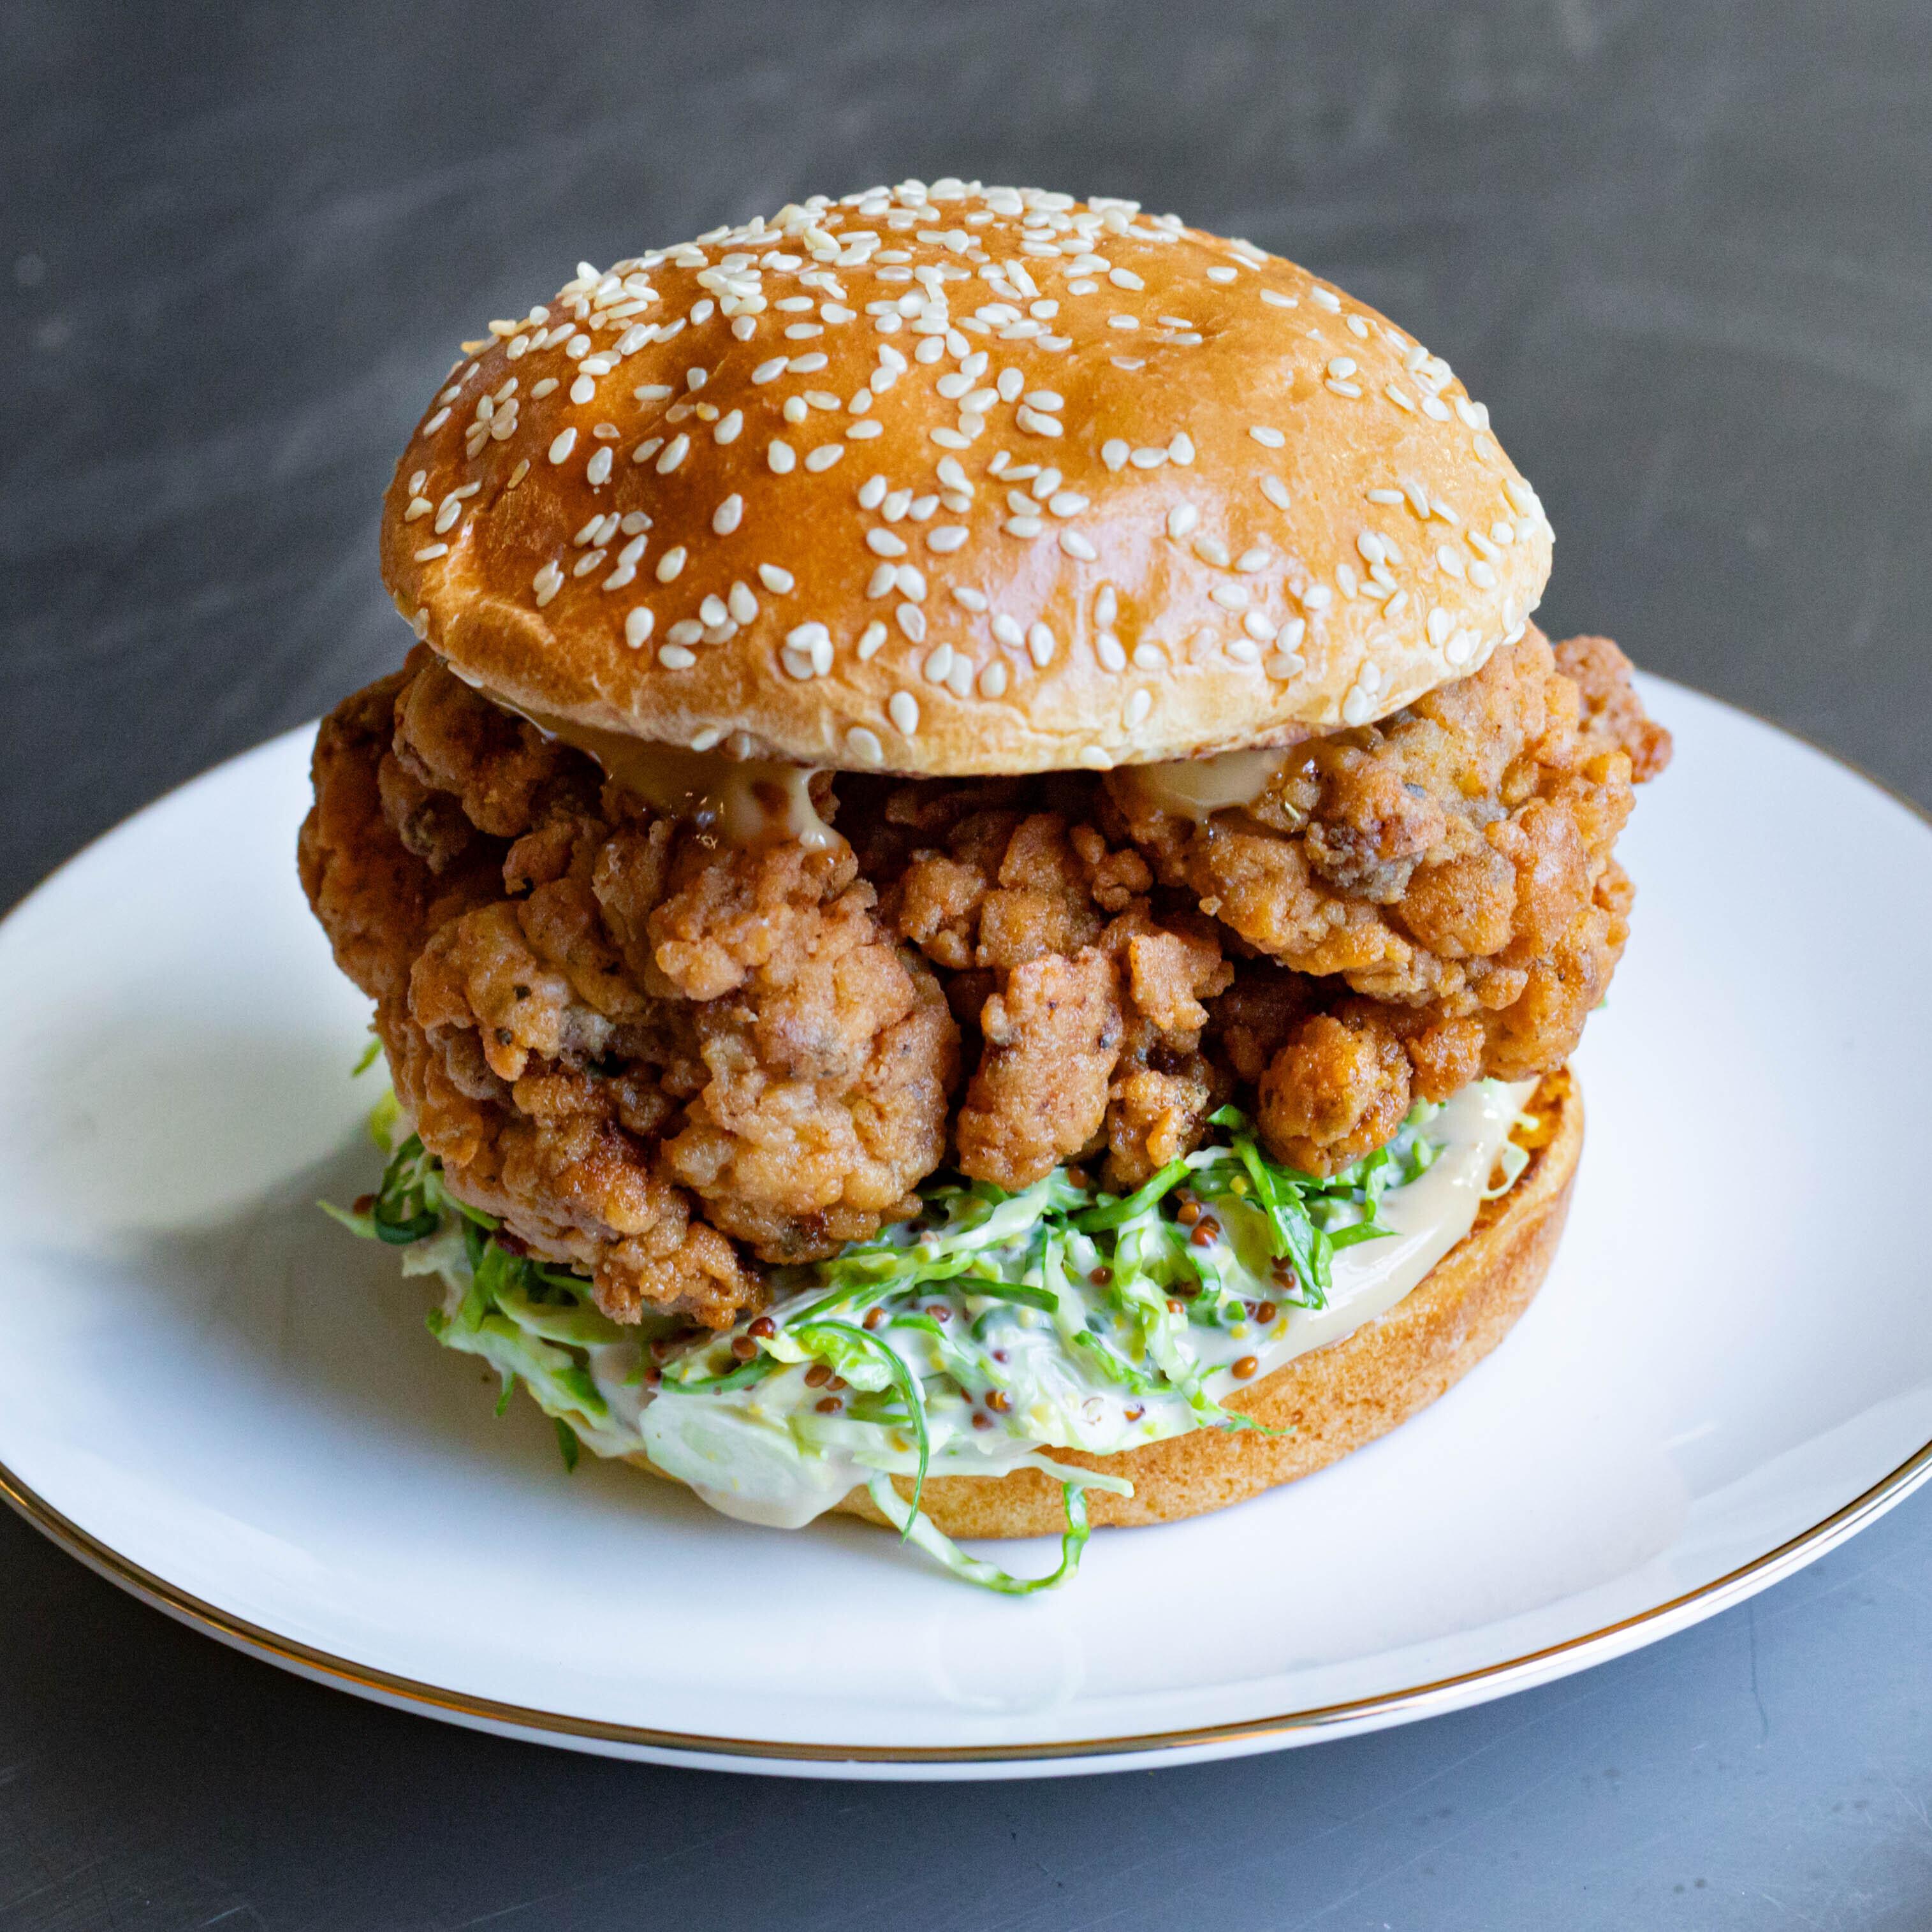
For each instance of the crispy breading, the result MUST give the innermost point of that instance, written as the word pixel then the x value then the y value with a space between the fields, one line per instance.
pixel 672 1062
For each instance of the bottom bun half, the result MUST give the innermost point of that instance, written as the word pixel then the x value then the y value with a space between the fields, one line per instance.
pixel 1326 1403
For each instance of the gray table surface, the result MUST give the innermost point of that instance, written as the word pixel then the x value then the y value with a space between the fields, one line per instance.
pixel 1682 250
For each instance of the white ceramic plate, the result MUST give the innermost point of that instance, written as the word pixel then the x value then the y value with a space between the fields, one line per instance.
pixel 229 1406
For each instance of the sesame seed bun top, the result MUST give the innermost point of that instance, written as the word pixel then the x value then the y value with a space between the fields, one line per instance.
pixel 948 479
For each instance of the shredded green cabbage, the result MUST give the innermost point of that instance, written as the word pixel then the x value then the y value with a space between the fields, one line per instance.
pixel 991 1329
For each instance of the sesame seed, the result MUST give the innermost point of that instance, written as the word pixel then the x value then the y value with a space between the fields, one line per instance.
pixel 728 515
pixel 774 579
pixel 964 593
pixel 883 580
pixel 1326 299
pixel 675 657
pixel 562 444
pixel 1075 545
pixel 1114 453
pixel 884 543
pixel 1107 648
pixel 1221 274
pixel 1276 299
pixel 431 551
pixel 993 679
pixel 903 710
pixel 770 371
pixel 1352 390
pixel 1391 497
pixel 1435 408
pixel 1276 491
pixel 912 621
pixel 860 432
pixel 686 631
pixel 1095 759
pixel 1230 596
pixel 1483 576
pixel 1007 631
pixel 742 604
pixel 911 580
pixel 1040 644
pixel 436 422
pixel 1139 704
pixel 670 564
pixel 946 538
pixel 597 471
pixel 1371 546
pixel 583 389
pixel 675 452
pixel 873 636
pixel 1316 597
pixel 824 456
pixel 1357 326
pixel 638 623
pixel 780 456
pixel 864 745
pixel 1270 439
pixel 1211 550
pixel 1147 657
pixel 548 582
pixel 1151 457
pixel 1249 561
pixel 1181 449
pixel 938 667
pixel 1450 559
pixel 1023 526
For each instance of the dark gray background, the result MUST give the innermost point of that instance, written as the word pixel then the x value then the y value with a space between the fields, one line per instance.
pixel 1684 251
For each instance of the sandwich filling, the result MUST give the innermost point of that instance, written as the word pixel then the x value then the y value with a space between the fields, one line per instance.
pixel 990 1331
pixel 804 1131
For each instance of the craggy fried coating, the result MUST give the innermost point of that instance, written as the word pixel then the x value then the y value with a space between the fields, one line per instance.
pixel 1450 867
pixel 671 1061
pixel 662 1062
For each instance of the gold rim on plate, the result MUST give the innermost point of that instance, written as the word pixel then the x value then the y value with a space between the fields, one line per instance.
pixel 1417 1700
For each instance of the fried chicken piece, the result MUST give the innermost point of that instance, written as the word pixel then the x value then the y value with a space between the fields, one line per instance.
pixel 1612 710
pixel 671 1062
pixel 1066 975
pixel 1451 865
pixel 1038 1097
pixel 830 1066
pixel 639 1052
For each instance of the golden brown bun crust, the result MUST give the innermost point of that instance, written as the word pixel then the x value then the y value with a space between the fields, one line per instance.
pixel 1300 519
pixel 1333 1400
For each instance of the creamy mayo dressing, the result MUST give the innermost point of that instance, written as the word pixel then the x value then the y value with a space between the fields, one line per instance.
pixel 1197 788
pixel 745 801
pixel 743 1455
pixel 765 801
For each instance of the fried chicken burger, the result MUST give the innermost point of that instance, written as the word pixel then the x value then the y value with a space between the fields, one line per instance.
pixel 978 886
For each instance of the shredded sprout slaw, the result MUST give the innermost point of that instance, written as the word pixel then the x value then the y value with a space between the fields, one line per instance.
pixel 976 1338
